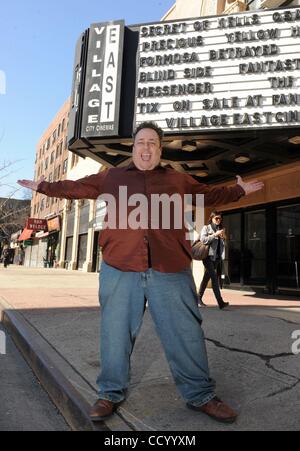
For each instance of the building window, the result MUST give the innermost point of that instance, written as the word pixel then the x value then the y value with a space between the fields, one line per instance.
pixel 54 137
pixel 58 130
pixel 46 164
pixel 57 173
pixel 63 125
pixel 48 144
pixel 42 204
pixel 65 166
pixel 253 4
pixel 50 178
pixel 73 160
pixel 52 157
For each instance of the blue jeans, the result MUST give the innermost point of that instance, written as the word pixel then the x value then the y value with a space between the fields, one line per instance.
pixel 172 301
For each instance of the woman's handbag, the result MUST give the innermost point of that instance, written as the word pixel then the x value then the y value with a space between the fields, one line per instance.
pixel 200 251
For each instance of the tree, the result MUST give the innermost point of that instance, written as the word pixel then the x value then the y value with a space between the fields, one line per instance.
pixel 13 212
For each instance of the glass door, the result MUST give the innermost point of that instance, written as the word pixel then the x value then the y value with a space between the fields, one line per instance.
pixel 82 250
pixel 254 254
pixel 232 264
pixel 69 249
pixel 288 247
pixel 246 249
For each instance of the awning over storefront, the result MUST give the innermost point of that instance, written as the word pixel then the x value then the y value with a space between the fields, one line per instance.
pixel 40 235
pixel 25 235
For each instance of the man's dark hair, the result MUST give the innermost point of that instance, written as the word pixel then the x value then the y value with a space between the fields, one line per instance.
pixel 152 126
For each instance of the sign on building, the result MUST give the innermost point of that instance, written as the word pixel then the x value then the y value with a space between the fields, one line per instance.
pixel 204 75
pixel 37 224
pixel 101 108
pixel 221 73
pixel 53 224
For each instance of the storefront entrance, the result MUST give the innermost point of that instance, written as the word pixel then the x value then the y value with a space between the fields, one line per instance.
pixel 288 247
pixel 82 250
pixel 263 248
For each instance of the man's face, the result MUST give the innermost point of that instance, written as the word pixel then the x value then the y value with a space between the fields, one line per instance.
pixel 146 150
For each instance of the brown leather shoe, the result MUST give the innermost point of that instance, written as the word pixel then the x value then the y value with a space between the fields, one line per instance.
pixel 217 410
pixel 102 410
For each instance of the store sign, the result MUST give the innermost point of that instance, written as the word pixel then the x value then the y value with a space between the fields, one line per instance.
pixel 54 224
pixel 103 80
pixel 36 224
pixel 232 72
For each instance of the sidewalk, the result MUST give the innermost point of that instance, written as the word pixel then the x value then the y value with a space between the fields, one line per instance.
pixel 20 391
pixel 53 316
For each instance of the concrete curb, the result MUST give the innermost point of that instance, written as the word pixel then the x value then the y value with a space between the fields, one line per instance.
pixel 56 376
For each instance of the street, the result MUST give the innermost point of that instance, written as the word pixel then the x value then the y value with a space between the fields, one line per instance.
pixel 24 404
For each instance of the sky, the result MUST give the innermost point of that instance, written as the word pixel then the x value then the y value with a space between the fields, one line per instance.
pixel 37 45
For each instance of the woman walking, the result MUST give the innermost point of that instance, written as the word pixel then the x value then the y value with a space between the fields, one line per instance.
pixel 6 257
pixel 214 235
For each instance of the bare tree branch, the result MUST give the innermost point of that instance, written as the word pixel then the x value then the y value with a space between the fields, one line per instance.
pixel 13 212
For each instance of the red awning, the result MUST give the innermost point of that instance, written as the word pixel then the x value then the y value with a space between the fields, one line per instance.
pixel 25 235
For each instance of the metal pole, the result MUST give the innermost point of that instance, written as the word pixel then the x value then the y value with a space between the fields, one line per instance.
pixel 297 274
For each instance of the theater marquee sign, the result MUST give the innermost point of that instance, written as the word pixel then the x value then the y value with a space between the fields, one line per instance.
pixel 237 72
pixel 222 72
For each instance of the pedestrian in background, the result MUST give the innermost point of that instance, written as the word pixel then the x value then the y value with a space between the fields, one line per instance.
pixel 6 257
pixel 213 234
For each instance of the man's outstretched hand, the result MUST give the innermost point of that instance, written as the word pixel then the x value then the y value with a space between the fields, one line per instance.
pixel 30 184
pixel 250 187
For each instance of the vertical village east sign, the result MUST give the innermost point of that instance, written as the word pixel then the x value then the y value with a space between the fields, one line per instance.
pixel 101 107
pixel 205 75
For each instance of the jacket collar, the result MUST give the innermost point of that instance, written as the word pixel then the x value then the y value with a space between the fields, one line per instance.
pixel 132 167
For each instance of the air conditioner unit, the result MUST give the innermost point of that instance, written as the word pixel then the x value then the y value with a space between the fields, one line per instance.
pixel 271 3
